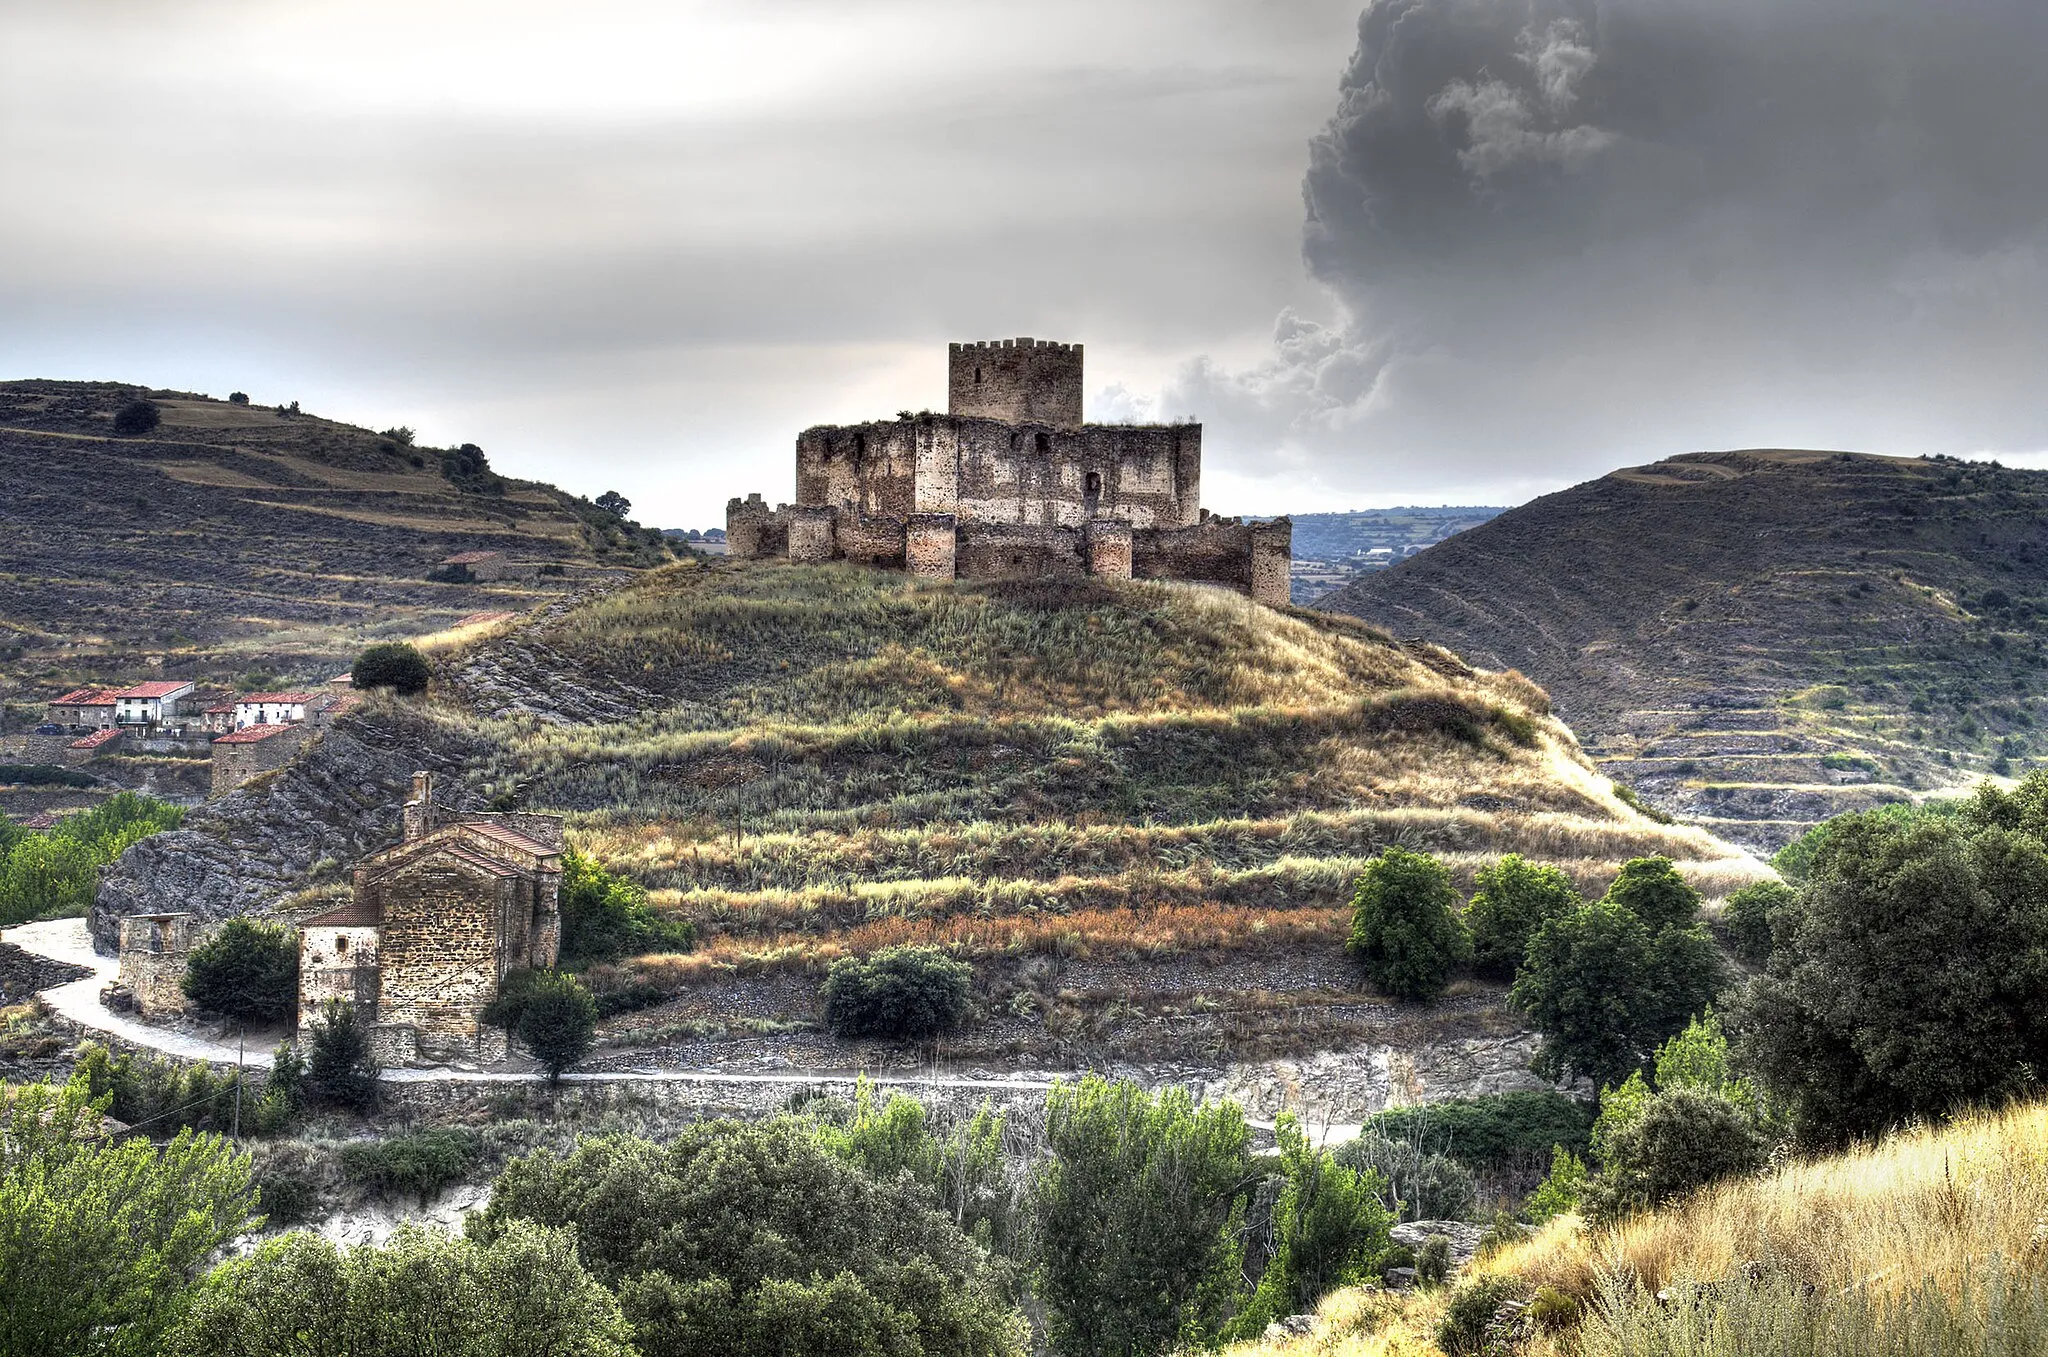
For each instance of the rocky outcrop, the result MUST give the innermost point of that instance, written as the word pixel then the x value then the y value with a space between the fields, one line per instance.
pixel 1343 1088
pixel 337 802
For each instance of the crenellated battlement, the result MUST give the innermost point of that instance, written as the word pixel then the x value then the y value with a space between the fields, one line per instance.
pixel 1023 342
pixel 1018 381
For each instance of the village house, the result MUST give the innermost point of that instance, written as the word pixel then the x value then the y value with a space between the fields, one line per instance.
pixel 219 718
pixel 88 747
pixel 276 709
pixel 151 704
pixel 491 565
pixel 434 925
pixel 92 708
pixel 252 751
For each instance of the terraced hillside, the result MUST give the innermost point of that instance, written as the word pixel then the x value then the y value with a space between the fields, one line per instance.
pixel 1761 639
pixel 234 537
pixel 1137 808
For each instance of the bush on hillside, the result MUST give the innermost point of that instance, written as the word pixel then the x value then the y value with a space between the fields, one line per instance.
pixel 1604 992
pixel 341 1072
pixel 1678 1141
pixel 1413 1183
pixel 551 1013
pixel 1653 891
pixel 137 417
pixel 1910 974
pixel 238 398
pixel 1135 1209
pixel 1405 926
pixel 1560 1191
pixel 1515 897
pixel 394 665
pixel 158 1097
pixel 1328 1228
pixel 1746 919
pixel 246 970
pixel 606 917
pixel 737 1238
pixel 418 1163
pixel 1495 1131
pixel 1469 1315
pixel 907 993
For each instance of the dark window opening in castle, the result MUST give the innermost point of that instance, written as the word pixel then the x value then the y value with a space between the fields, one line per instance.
pixel 959 496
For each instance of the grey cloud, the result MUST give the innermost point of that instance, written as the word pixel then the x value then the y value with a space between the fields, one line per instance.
pixel 1567 234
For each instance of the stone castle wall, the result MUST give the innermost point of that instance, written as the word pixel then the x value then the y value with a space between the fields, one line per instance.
pixel 1017 380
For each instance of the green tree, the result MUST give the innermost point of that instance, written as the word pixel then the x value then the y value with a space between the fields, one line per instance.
pixel 246 970
pixel 614 503
pixel 392 664
pixel 1515 897
pixel 1416 1183
pixel 1560 1191
pixel 523 1294
pixel 606 917
pixel 1604 992
pixel 1405 925
pixel 138 416
pixel 1746 919
pixel 47 876
pixel 963 1169
pixel 1329 1230
pixel 1910 973
pixel 551 1013
pixel 1653 891
pixel 341 1071
pixel 1136 1213
pixel 1678 1141
pixel 100 1239
pixel 907 992
pixel 757 1238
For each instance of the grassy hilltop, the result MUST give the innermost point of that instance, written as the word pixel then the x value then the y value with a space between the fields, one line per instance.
pixel 235 537
pixel 1761 639
pixel 1086 789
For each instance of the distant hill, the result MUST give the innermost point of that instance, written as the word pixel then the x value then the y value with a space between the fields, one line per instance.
pixel 1760 639
pixel 1138 809
pixel 235 537
pixel 1329 549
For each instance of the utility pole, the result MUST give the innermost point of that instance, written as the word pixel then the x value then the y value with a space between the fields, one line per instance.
pixel 241 1043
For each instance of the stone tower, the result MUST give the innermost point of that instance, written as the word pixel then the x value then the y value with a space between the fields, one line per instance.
pixel 1019 381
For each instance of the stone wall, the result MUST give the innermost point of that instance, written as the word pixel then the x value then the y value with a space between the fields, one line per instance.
pixel 238 762
pixel 438 951
pixel 1017 380
pixel 338 962
pixel 155 949
pixel 986 551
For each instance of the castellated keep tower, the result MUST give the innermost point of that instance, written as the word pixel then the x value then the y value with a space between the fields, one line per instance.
pixel 1011 482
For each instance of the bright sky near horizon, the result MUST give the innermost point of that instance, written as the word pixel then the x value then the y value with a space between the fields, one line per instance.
pixel 1438 251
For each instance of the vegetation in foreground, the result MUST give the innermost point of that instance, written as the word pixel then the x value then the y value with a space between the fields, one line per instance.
pixel 52 873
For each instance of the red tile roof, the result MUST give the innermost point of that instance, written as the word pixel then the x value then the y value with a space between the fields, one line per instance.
pixel 472 557
pixel 222 709
pixel 511 838
pixel 252 734
pixel 354 914
pixel 98 738
pixel 85 697
pixel 278 697
pixel 155 688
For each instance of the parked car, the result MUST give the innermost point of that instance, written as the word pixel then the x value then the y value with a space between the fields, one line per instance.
pixel 49 728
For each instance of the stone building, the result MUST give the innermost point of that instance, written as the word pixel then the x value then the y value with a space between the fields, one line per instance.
pixel 155 949
pixel 434 924
pixel 1011 482
pixel 158 702
pixel 91 708
pixel 252 751
pixel 486 566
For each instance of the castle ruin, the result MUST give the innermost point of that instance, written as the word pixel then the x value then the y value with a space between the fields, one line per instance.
pixel 1011 482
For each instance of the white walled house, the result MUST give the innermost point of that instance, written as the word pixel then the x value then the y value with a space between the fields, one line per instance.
pixel 275 709
pixel 150 704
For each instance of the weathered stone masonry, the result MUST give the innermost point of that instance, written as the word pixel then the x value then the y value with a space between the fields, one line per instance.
pixel 1011 482
pixel 434 925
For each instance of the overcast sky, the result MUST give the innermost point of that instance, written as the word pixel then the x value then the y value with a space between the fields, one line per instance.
pixel 1442 251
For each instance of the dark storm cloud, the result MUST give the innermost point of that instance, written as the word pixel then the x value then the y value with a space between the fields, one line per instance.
pixel 1569 235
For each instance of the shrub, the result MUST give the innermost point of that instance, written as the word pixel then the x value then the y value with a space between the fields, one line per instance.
pixel 1471 1312
pixel 551 1013
pixel 419 1163
pixel 906 992
pixel 246 970
pixel 1746 919
pixel 1136 1209
pixel 1328 1227
pixel 606 917
pixel 1561 1191
pixel 155 1096
pixel 738 1238
pixel 1653 891
pixel 137 417
pixel 1405 926
pixel 1414 1183
pixel 1513 899
pixel 288 1177
pixel 238 398
pixel 341 1072
pixel 1433 1261
pixel 1495 1131
pixel 392 664
pixel 1680 1140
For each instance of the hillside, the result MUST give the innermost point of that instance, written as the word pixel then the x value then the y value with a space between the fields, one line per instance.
pixel 1138 809
pixel 1931 1241
pixel 1329 549
pixel 235 538
pixel 1761 639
